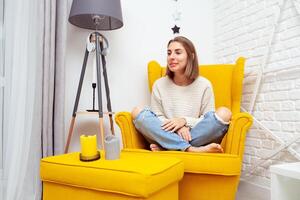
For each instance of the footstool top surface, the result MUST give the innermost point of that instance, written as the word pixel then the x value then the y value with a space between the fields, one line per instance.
pixel 134 174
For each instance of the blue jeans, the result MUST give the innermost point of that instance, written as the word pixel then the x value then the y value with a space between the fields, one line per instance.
pixel 208 130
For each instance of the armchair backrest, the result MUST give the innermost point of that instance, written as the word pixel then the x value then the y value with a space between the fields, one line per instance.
pixel 226 79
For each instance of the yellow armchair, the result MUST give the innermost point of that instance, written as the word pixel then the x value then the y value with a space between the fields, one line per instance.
pixel 207 175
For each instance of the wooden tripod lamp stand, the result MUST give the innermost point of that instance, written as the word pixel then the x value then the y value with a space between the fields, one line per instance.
pixel 95 15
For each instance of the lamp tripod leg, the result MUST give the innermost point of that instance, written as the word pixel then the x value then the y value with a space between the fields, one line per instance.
pixel 111 124
pixel 70 134
pixel 101 127
pixel 107 91
pixel 77 100
pixel 100 110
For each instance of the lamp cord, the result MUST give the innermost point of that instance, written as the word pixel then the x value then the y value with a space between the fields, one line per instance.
pixel 94 87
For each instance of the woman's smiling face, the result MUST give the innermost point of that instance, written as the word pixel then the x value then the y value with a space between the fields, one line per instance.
pixel 177 57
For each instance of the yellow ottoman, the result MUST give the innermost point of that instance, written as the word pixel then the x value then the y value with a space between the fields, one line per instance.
pixel 133 176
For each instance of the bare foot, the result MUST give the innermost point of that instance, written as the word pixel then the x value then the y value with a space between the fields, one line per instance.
pixel 156 147
pixel 210 148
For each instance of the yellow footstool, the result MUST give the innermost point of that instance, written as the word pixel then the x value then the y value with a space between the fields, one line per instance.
pixel 133 176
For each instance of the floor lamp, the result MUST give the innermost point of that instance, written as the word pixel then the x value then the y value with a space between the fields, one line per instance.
pixel 95 15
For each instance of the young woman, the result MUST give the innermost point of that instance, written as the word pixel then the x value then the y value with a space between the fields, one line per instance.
pixel 182 116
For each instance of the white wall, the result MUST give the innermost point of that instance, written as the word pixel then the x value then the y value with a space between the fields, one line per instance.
pixel 144 36
pixel 244 28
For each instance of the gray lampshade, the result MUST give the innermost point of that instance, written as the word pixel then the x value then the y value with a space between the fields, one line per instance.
pixel 109 11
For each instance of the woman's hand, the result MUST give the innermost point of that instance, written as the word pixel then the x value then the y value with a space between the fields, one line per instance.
pixel 184 132
pixel 173 124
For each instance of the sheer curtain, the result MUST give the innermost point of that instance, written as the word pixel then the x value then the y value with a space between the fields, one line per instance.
pixel 34 97
pixel 22 97
pixel 1 93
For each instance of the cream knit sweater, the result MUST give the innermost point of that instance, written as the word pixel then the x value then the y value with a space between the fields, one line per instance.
pixel 191 102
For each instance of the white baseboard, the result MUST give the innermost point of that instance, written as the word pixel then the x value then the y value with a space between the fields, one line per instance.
pixel 250 191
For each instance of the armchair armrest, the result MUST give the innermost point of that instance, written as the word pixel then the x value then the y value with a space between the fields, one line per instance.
pixel 235 141
pixel 130 136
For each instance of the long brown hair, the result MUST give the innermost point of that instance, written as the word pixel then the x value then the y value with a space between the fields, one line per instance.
pixel 191 70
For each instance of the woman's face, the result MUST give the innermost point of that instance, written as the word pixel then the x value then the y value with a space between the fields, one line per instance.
pixel 177 58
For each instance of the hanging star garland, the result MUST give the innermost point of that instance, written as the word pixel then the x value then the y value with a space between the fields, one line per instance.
pixel 176 17
pixel 175 29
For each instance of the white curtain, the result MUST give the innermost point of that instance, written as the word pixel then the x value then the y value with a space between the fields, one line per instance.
pixel 34 76
pixel 22 99
pixel 54 48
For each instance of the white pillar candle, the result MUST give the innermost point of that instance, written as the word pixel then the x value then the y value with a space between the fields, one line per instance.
pixel 112 147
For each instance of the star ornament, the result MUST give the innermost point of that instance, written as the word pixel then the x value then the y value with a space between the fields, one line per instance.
pixel 176 15
pixel 175 29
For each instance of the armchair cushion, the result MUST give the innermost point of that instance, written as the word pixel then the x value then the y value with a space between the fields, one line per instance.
pixel 204 163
